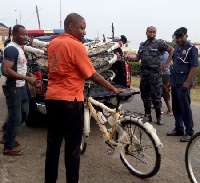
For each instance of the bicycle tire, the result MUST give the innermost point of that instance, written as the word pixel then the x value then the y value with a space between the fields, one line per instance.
pixel 99 49
pixel 83 146
pixel 103 62
pixel 138 153
pixel 192 162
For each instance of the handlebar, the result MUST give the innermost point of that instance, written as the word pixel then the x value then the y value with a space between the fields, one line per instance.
pixel 124 94
pixel 101 93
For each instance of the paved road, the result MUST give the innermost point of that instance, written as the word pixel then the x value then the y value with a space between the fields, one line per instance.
pixel 96 165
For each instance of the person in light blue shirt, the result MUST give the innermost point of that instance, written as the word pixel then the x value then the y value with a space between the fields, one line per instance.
pixel 166 84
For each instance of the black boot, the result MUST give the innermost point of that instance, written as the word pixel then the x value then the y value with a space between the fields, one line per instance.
pixel 147 118
pixel 158 117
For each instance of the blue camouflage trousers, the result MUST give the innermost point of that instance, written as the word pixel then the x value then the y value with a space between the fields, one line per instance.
pixel 151 88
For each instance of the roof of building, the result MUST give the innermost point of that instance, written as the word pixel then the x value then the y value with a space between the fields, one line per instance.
pixel 2 25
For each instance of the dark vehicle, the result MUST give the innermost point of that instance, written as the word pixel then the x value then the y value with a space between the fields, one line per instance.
pixel 118 74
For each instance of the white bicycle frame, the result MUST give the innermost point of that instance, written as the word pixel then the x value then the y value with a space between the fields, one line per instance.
pixel 89 111
pixel 114 120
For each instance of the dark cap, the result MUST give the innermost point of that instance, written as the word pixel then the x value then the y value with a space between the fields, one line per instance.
pixel 180 32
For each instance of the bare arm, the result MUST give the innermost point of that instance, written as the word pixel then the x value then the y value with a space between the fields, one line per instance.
pixel 170 50
pixel 98 79
pixel 186 84
pixel 136 59
pixel 8 72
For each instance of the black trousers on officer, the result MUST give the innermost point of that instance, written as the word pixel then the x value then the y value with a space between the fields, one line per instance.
pixel 182 110
pixel 66 122
pixel 151 90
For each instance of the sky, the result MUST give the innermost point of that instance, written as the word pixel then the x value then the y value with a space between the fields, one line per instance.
pixel 129 17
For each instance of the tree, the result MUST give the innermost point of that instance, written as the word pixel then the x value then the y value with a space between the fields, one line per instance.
pixel 173 43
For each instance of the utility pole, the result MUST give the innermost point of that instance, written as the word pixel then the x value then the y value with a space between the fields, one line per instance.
pixel 113 36
pixel 60 16
pixel 20 17
pixel 38 16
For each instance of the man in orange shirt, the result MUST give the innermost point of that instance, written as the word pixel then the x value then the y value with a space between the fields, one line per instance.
pixel 69 65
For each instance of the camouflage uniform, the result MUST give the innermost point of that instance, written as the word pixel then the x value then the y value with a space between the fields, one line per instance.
pixel 151 78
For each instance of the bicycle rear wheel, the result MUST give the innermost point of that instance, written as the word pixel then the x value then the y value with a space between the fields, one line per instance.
pixel 140 154
pixel 83 146
pixel 192 158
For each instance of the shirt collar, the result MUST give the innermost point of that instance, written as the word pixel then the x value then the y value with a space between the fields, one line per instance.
pixel 70 36
pixel 186 44
pixel 153 41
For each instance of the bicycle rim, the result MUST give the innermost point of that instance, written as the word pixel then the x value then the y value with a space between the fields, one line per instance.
pixel 140 154
pixel 192 158
pixel 83 146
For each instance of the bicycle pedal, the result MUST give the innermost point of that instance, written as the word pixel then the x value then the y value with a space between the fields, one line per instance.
pixel 110 152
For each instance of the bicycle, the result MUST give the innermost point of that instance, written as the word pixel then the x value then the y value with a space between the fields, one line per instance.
pixel 192 158
pixel 135 142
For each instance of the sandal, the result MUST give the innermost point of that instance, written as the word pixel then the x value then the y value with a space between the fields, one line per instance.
pixel 12 152
pixel 169 113
pixel 16 143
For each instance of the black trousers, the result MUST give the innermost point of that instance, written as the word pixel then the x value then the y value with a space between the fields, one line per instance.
pixel 66 122
pixel 151 90
pixel 182 110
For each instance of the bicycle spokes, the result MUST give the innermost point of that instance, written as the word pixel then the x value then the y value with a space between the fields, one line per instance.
pixel 139 153
pixel 192 158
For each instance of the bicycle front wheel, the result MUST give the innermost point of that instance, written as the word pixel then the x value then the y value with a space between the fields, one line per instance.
pixel 140 154
pixel 192 158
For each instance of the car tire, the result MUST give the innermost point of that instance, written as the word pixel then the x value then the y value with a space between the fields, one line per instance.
pixel 35 118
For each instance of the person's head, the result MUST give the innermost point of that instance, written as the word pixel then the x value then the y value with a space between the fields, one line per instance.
pixel 181 36
pixel 75 25
pixel 151 33
pixel 19 34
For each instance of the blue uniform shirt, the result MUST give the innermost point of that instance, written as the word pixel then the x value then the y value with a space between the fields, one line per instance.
pixel 163 59
pixel 184 58
pixel 149 53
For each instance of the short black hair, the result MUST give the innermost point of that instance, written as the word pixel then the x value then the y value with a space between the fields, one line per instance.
pixel 16 28
pixel 180 31
pixel 150 27
pixel 72 18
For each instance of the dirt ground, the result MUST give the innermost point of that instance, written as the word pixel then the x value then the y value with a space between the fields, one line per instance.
pixel 96 165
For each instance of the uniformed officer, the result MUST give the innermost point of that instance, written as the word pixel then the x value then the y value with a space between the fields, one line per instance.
pixel 185 62
pixel 151 78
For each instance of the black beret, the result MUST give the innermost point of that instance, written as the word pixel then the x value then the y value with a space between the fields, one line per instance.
pixel 181 31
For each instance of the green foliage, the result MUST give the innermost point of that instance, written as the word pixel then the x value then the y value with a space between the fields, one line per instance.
pixel 197 77
pixel 135 71
pixel 173 43
pixel 135 68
